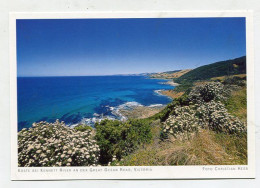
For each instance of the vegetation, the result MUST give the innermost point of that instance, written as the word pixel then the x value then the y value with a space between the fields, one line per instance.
pixel 223 68
pixel 204 148
pixel 83 128
pixel 55 144
pixel 237 104
pixel 204 126
pixel 169 74
pixel 116 138
pixel 204 110
pixel 208 143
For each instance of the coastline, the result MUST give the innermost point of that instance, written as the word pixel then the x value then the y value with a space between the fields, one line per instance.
pixel 171 83
pixel 170 92
pixel 141 112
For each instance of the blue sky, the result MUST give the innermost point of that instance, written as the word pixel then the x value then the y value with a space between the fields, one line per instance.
pixel 78 47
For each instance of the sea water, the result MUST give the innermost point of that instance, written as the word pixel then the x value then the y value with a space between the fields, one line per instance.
pixel 84 98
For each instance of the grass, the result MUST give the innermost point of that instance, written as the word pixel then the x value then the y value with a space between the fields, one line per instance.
pixel 205 148
pixel 237 104
pixel 222 78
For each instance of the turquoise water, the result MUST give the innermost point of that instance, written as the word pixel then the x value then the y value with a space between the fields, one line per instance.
pixel 73 99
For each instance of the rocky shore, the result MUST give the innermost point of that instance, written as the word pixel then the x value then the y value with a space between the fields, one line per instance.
pixel 171 93
pixel 141 112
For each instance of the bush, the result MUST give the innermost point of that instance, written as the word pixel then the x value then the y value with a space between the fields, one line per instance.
pixel 168 110
pixel 208 92
pixel 117 139
pixel 215 115
pixel 235 80
pixel 55 144
pixel 201 109
pixel 83 128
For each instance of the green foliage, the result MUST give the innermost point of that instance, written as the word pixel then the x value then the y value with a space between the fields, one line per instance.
pixel 117 139
pixel 185 86
pixel 235 81
pixel 166 112
pixel 83 128
pixel 237 104
pixel 229 67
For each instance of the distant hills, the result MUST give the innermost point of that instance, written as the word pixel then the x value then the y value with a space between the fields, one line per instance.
pixel 205 72
pixel 170 74
pixel 222 68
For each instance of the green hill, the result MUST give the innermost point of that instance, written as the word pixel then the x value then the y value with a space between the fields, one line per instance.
pixel 222 68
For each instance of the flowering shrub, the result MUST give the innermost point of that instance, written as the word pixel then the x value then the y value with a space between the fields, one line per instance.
pixel 204 111
pixel 208 92
pixel 55 144
pixel 183 120
pixel 217 118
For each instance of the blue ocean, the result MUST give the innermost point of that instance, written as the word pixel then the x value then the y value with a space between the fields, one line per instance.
pixel 74 99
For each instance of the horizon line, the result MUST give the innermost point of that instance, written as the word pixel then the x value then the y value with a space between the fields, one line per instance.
pixel 126 74
pixel 134 74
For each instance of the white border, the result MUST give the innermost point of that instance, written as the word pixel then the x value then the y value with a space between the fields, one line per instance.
pixel 158 172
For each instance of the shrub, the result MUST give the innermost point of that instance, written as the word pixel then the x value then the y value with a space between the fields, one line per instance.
pixel 168 110
pixel 215 115
pixel 183 120
pixel 116 138
pixel 203 108
pixel 208 92
pixel 83 128
pixel 235 80
pixel 55 144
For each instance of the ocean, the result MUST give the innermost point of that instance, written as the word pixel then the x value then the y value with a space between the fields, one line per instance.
pixel 84 98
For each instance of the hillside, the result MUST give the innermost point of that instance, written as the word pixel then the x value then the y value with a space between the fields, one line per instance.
pixel 222 68
pixel 170 74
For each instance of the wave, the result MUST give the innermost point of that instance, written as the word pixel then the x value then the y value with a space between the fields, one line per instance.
pixel 159 92
pixel 115 114
pixel 156 105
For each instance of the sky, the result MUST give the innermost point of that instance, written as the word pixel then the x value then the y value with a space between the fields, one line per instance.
pixel 82 47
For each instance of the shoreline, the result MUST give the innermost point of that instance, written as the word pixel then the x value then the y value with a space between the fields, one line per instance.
pixel 171 83
pixel 141 112
pixel 170 92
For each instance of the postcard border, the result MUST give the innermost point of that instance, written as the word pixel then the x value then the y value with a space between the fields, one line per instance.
pixel 158 172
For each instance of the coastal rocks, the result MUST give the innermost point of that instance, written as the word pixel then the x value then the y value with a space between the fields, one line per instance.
pixel 55 144
pixel 141 112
